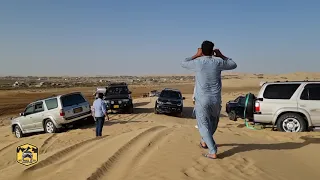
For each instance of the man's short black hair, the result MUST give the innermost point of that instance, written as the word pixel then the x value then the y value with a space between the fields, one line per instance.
pixel 207 48
pixel 100 95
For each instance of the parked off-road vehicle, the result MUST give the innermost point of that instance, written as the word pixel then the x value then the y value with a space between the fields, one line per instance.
pixel 117 97
pixel 170 101
pixel 235 108
pixel 291 106
pixel 52 113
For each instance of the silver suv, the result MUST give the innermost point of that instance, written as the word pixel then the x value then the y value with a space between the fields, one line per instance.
pixel 51 113
pixel 292 106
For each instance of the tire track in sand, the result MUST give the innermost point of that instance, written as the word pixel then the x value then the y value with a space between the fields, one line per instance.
pixel 47 143
pixel 8 146
pixel 58 156
pixel 118 155
pixel 147 150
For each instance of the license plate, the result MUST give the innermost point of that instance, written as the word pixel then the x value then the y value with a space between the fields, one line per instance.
pixel 77 110
pixel 116 106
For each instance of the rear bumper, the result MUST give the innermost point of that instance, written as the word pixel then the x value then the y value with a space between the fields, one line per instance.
pixel 120 107
pixel 75 118
pixel 265 119
pixel 169 109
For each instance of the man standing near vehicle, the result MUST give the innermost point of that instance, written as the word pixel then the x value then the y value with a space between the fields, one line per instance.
pixel 99 113
pixel 208 91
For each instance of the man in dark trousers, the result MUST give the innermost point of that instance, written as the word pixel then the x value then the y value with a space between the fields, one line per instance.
pixel 99 113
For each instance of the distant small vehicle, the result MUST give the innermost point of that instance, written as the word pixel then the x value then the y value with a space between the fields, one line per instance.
pixel 153 93
pixel 235 108
pixel 170 101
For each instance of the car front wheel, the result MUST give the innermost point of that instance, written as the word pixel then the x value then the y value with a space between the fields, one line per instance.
pixel 291 122
pixel 232 115
pixel 17 132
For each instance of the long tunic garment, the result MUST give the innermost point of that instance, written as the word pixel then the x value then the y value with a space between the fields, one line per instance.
pixel 207 94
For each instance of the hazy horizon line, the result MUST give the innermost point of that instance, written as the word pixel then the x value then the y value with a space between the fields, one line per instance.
pixel 152 75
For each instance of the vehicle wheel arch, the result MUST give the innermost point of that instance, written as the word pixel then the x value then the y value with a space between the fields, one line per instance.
pixel 49 118
pixel 14 125
pixel 302 114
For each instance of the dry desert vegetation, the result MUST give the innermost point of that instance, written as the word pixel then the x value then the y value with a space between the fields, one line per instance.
pixel 149 146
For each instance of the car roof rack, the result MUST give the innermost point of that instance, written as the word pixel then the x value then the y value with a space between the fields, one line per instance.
pixel 117 84
pixel 171 89
pixel 52 96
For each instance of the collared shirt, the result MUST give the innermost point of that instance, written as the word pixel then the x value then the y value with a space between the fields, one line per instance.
pixel 208 76
pixel 99 108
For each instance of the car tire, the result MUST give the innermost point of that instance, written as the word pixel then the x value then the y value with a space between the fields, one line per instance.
pixel 180 114
pixel 250 105
pixel 130 110
pixel 155 109
pixel 49 127
pixel 291 122
pixel 17 132
pixel 232 116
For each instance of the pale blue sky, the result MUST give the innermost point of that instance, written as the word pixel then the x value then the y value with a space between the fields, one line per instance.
pixel 104 37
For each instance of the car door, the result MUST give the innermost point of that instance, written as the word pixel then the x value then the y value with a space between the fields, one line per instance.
pixel 38 115
pixel 26 121
pixel 310 101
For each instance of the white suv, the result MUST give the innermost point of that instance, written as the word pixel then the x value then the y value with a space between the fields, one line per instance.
pixel 51 113
pixel 292 106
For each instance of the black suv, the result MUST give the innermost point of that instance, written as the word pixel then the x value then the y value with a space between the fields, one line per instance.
pixel 235 108
pixel 118 97
pixel 170 101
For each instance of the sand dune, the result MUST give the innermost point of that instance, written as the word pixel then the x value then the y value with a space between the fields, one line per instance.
pixel 144 145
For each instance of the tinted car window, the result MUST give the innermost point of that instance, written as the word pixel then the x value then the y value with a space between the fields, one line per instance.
pixel 170 94
pixel 280 91
pixel 38 107
pixel 51 103
pixel 72 99
pixel 242 100
pixel 29 110
pixel 311 92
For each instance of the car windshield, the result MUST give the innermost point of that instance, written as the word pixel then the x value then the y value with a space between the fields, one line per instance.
pixel 170 94
pixel 72 99
pixel 242 100
pixel 117 90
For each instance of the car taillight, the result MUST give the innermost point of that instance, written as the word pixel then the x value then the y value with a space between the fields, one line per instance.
pixel 257 107
pixel 61 112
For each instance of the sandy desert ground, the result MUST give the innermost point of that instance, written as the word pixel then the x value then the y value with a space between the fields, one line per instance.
pixel 147 146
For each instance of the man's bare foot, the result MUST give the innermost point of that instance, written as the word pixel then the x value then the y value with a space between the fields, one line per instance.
pixel 203 144
pixel 211 156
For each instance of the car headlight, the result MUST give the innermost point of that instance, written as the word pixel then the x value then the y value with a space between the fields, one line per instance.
pixel 179 104
pixel 107 101
pixel 159 102
pixel 125 100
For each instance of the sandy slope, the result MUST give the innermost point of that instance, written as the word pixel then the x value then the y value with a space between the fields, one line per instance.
pixel 148 146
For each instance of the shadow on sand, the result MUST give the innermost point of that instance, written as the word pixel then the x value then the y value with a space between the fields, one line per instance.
pixel 141 104
pixel 279 146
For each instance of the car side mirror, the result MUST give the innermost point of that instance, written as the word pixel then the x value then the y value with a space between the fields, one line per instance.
pixel 22 114
pixel 129 92
pixel 183 98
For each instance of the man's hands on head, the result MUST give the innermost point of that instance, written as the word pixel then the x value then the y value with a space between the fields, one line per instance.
pixel 217 53
pixel 198 54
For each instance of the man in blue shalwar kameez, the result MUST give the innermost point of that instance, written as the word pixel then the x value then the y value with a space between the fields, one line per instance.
pixel 208 91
